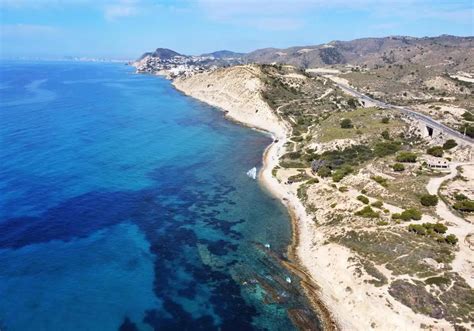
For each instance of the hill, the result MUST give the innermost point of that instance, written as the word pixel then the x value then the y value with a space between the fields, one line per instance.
pixel 458 52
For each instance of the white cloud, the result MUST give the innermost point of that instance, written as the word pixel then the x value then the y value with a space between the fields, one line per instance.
pixel 123 8
pixel 256 12
pixel 112 9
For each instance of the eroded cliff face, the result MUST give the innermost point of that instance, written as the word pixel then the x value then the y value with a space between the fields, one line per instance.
pixel 236 90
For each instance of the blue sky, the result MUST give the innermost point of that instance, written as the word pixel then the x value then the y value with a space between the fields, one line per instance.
pixel 127 28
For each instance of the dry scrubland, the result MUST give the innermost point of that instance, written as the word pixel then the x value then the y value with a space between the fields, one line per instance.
pixel 373 236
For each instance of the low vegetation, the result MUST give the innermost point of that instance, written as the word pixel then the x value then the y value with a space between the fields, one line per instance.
pixel 407 157
pixel 465 205
pixel 429 200
pixel 408 214
pixel 380 180
pixel 346 124
pixel 449 144
pixel 367 212
pixel 363 199
pixel 399 167
pixel 436 151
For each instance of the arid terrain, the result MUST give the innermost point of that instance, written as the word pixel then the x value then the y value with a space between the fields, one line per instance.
pixel 383 208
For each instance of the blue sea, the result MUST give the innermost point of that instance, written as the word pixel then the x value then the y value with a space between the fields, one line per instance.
pixel 125 205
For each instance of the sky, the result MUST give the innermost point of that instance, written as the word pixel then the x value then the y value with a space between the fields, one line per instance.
pixel 127 28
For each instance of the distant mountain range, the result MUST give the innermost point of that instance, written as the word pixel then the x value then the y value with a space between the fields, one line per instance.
pixel 224 54
pixel 373 51
pixel 367 51
pixel 168 54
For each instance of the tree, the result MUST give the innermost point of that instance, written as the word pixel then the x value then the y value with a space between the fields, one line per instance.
pixel 436 151
pixel 429 200
pixel 398 167
pixel 450 143
pixel 346 123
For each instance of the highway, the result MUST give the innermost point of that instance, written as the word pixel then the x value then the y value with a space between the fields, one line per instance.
pixel 420 117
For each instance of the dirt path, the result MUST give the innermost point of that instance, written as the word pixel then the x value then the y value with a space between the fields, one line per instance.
pixel 464 260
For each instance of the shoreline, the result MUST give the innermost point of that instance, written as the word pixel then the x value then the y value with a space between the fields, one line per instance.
pixel 309 285
pixel 296 210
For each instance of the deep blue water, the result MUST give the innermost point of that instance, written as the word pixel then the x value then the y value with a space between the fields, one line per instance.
pixel 126 205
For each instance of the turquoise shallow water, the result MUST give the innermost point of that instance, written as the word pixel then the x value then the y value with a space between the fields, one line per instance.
pixel 126 205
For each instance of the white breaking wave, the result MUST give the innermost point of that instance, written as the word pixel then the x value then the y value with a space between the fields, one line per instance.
pixel 252 173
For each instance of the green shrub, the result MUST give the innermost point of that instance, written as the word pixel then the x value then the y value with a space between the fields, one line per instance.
pixel 363 199
pixel 437 280
pixel 385 120
pixel 299 177
pixel 343 189
pixel 324 172
pixel 382 223
pixel 367 212
pixel 468 116
pixel 429 200
pixel 450 143
pixel 464 205
pixel 377 204
pixel 275 170
pixel 385 135
pixel 460 197
pixel 353 156
pixel 412 213
pixel 353 103
pixel 385 148
pixel 451 239
pixel 292 155
pixel 340 173
pixel 381 180
pixel 467 129
pixel 418 229
pixel 297 139
pixel 398 167
pixel 406 157
pixel 435 151
pixel 346 123
pixel 408 214
pixel 440 228
pixel 312 181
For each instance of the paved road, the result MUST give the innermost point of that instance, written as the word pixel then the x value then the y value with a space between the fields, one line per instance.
pixel 420 117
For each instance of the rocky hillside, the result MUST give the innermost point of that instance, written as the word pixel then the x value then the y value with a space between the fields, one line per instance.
pixel 457 51
pixel 236 90
pixel 162 53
